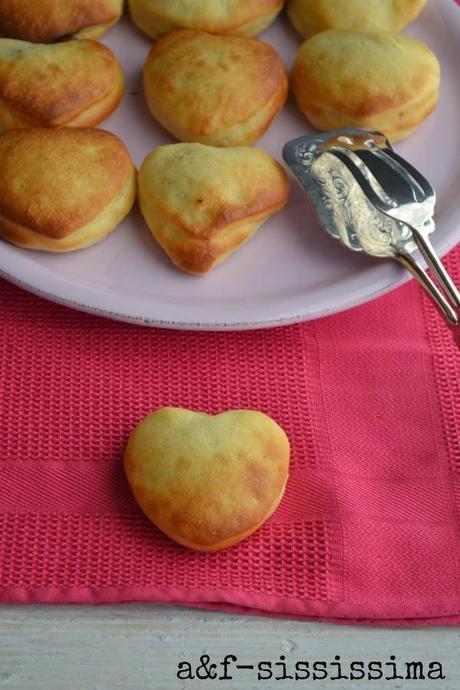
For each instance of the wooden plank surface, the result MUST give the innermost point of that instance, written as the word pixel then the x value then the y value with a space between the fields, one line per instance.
pixel 140 647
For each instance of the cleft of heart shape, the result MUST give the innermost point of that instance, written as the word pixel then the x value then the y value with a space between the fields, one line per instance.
pixel 207 481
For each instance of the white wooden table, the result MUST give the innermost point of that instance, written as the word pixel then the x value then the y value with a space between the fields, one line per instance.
pixel 140 647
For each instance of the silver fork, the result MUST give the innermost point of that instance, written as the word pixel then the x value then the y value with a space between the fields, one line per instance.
pixel 373 200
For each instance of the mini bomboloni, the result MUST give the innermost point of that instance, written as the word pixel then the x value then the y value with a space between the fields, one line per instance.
pixel 218 90
pixel 201 203
pixel 237 17
pixel 311 16
pixel 375 80
pixel 63 189
pixel 207 481
pixel 48 21
pixel 76 83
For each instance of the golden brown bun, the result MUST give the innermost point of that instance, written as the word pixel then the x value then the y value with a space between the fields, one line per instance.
pixel 201 203
pixel 63 189
pixel 77 83
pixel 219 90
pixel 311 16
pixel 236 17
pixel 207 481
pixel 48 21
pixel 383 81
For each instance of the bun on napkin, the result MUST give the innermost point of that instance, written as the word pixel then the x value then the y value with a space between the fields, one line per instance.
pixel 236 17
pixel 201 203
pixel 63 189
pixel 217 90
pixel 207 482
pixel 311 16
pixel 76 83
pixel 379 80
pixel 48 21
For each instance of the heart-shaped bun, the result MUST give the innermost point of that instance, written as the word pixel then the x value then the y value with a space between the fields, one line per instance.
pixel 218 90
pixel 207 481
pixel 49 21
pixel 311 16
pixel 201 203
pixel 375 80
pixel 235 17
pixel 63 189
pixel 76 83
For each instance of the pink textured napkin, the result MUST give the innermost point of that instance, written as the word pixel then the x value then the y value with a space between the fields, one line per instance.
pixel 369 527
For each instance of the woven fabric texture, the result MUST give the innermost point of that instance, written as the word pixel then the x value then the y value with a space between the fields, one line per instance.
pixel 369 526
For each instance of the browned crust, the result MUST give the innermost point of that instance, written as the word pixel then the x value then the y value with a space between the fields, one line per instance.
pixel 206 226
pixel 323 15
pixel 267 201
pixel 198 516
pixel 199 256
pixel 337 98
pixel 92 233
pixel 241 15
pixel 55 181
pixel 47 21
pixel 359 105
pixel 59 84
pixel 361 101
pixel 99 110
pixel 224 543
pixel 208 107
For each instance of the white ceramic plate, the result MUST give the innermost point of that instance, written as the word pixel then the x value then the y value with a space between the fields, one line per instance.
pixel 290 271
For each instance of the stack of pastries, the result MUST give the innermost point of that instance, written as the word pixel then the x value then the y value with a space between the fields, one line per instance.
pixel 64 185
pixel 213 86
pixel 210 84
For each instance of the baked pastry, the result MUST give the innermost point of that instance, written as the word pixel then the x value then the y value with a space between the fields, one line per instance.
pixel 312 16
pixel 76 83
pixel 207 481
pixel 380 80
pixel 201 203
pixel 219 90
pixel 63 189
pixel 236 17
pixel 48 21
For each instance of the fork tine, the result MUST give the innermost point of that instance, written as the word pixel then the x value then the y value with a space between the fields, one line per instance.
pixel 345 157
pixel 405 169
pixel 402 166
